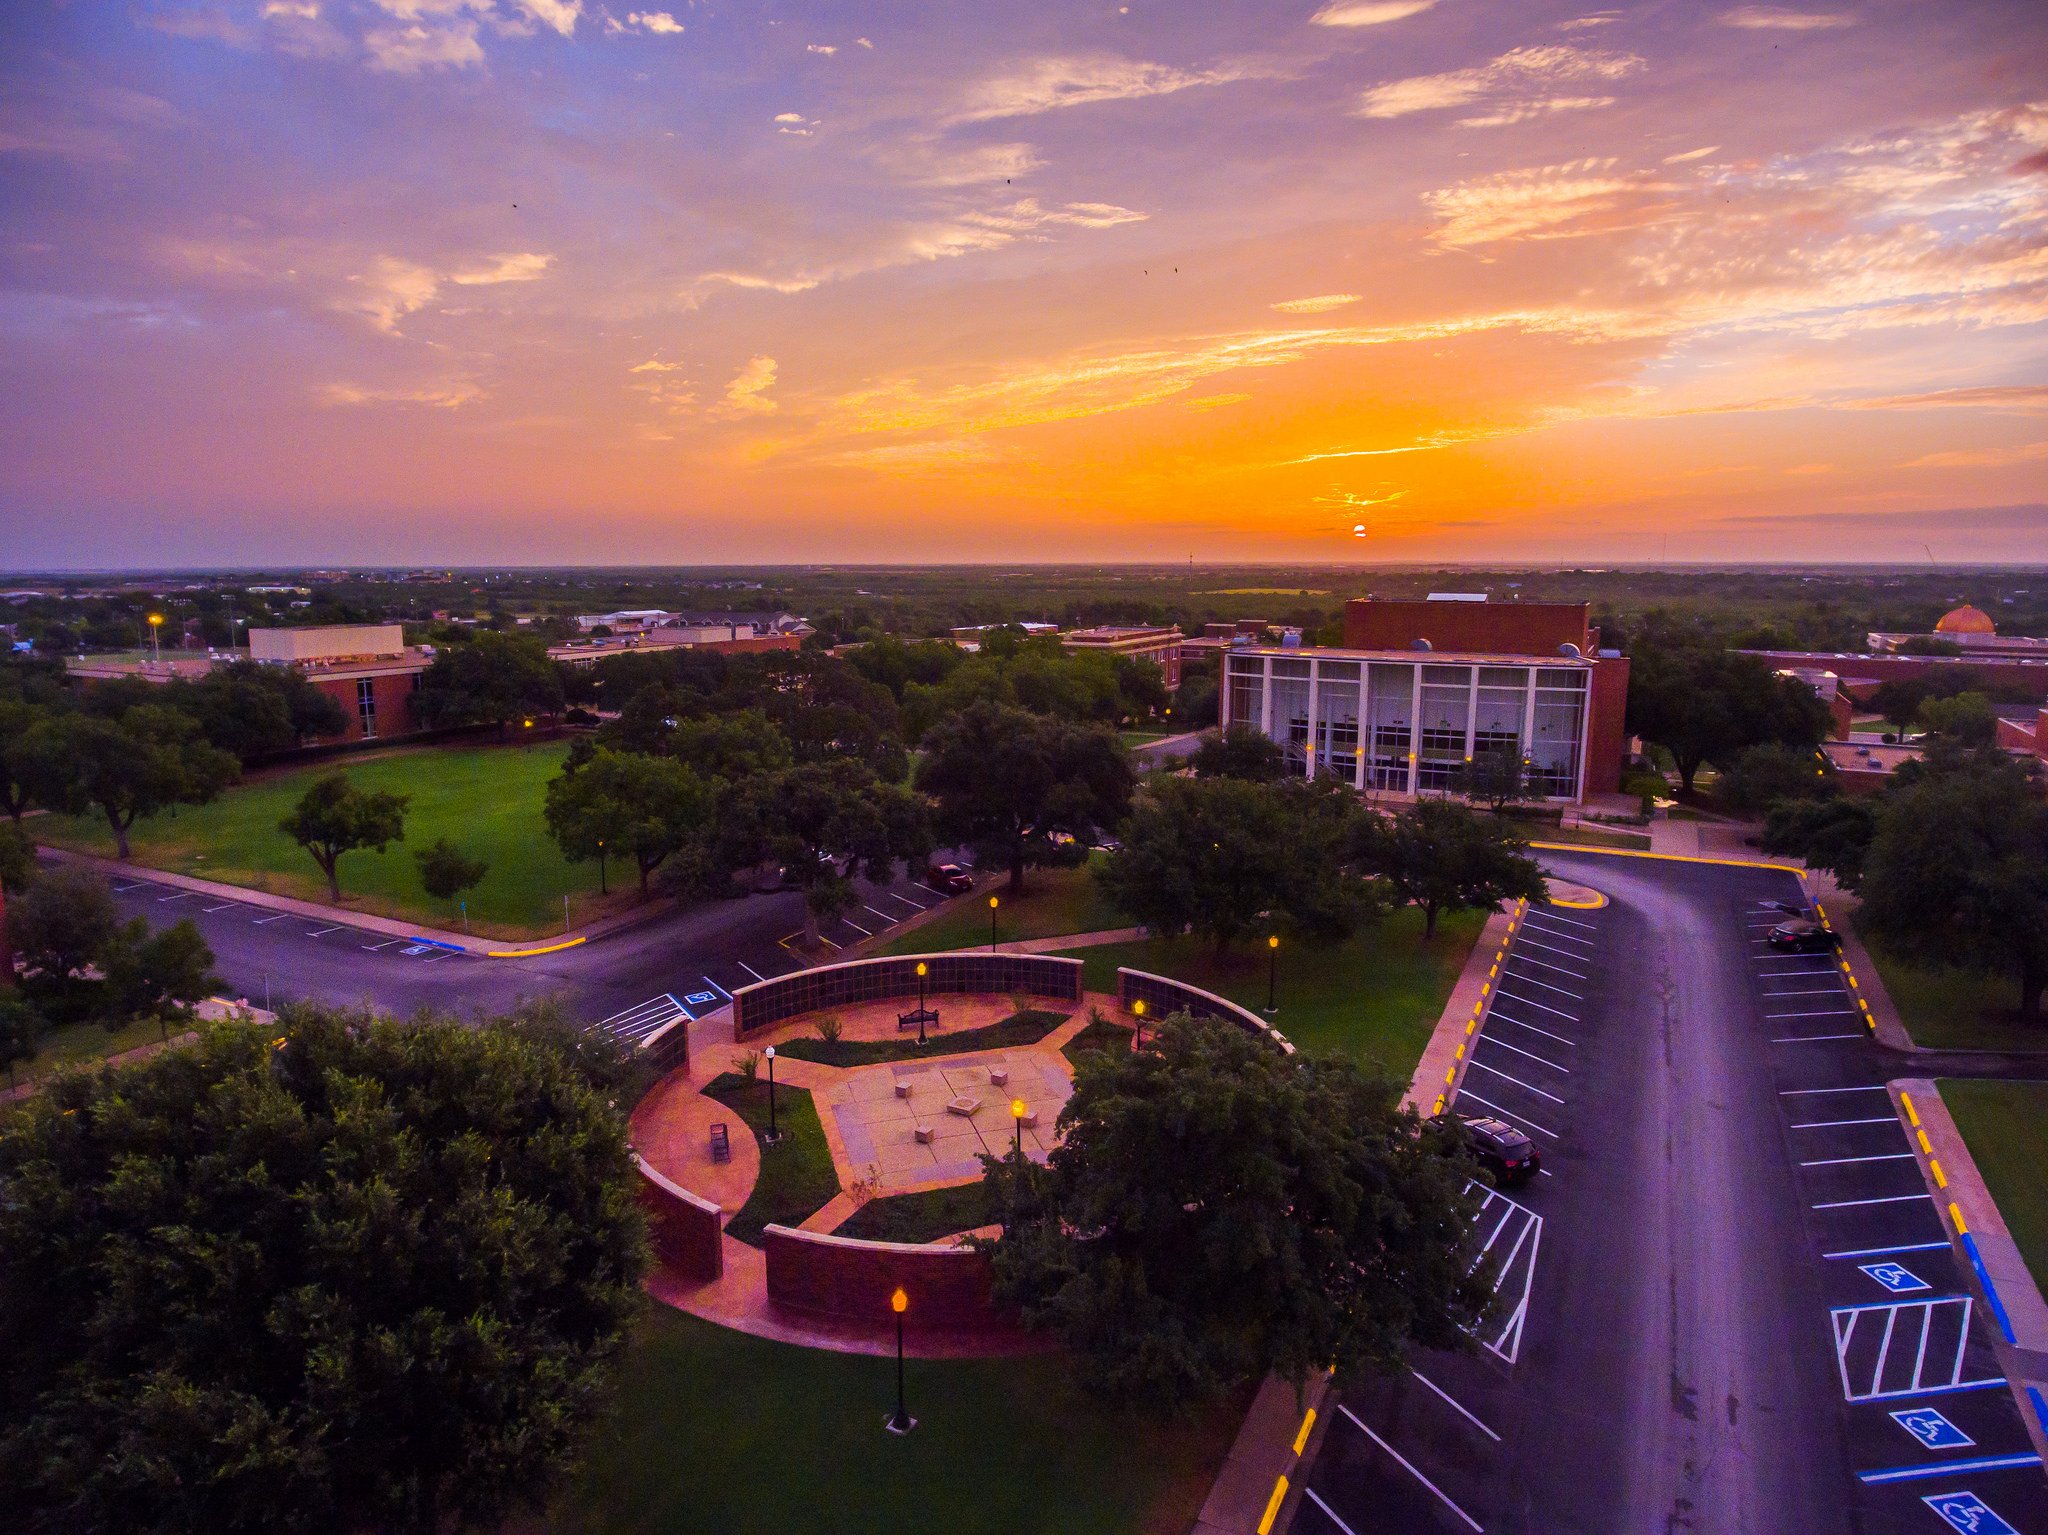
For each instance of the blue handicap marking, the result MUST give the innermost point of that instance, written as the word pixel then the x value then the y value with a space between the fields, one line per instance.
pixel 1970 1514
pixel 699 998
pixel 1932 1429
pixel 1895 1277
pixel 417 948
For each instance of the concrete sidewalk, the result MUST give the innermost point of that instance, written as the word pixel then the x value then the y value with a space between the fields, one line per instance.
pixel 2020 1314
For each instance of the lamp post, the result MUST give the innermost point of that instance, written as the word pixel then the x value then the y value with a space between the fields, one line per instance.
pixel 903 1422
pixel 921 968
pixel 992 924
pixel 156 623
pixel 1138 1012
pixel 774 1134
pixel 1017 1112
pixel 1272 972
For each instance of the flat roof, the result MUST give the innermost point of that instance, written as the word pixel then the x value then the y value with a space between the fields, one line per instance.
pixel 1426 657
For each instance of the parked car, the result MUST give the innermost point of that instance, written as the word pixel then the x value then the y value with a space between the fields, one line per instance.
pixel 1501 1149
pixel 1801 936
pixel 949 877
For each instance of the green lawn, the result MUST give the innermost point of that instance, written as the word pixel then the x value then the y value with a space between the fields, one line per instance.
pixel 2005 1125
pixel 714 1430
pixel 79 1044
pixel 1374 997
pixel 922 1217
pixel 1103 1032
pixel 797 1177
pixel 1957 1009
pixel 486 800
pixel 1025 1028
pixel 1586 836
pixel 1055 902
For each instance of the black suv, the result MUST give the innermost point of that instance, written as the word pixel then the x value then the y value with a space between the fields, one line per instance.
pixel 1801 936
pixel 1502 1150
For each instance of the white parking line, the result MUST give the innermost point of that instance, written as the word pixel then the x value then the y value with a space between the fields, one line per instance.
pixel 1500 1017
pixel 856 927
pixel 1879 1252
pixel 1924 1311
pixel 1514 1116
pixel 1529 921
pixel 1518 957
pixel 224 905
pixel 1540 1006
pixel 182 895
pixel 1539 1060
pixel 1835 1124
pixel 1479 1065
pixel 886 918
pixel 1530 980
pixel 260 921
pixel 374 947
pixel 1807 1092
pixel 1819 1012
pixel 757 975
pixel 1557 916
pixel 1804 975
pixel 136 886
pixel 1328 1512
pixel 1889 1199
pixel 322 931
pixel 1525 939
pixel 1888 1156
pixel 1409 1467
pixel 1458 1406
pixel 1808 1039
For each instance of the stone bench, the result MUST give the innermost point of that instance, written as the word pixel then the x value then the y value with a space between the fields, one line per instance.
pixel 964 1106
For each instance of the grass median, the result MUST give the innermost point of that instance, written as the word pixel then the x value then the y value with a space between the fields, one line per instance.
pixel 1375 997
pixel 1954 1009
pixel 2005 1125
pixel 921 1217
pixel 1022 1028
pixel 1055 902
pixel 716 1430
pixel 485 800
pixel 797 1177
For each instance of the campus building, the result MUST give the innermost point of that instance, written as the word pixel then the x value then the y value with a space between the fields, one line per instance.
pixel 1159 646
pixel 2017 664
pixel 366 668
pixel 1418 689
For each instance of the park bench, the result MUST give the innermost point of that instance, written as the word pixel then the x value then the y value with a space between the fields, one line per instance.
pixel 721 1143
pixel 927 1017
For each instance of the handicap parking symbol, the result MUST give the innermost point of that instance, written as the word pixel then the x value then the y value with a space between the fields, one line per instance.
pixel 1968 1513
pixel 1895 1277
pixel 1932 1430
pixel 699 998
pixel 416 948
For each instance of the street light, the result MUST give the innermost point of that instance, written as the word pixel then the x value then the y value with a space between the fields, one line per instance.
pixel 774 1134
pixel 602 887
pixel 156 623
pixel 903 1422
pixel 921 968
pixel 991 924
pixel 1272 971
pixel 1138 1010
pixel 1017 1112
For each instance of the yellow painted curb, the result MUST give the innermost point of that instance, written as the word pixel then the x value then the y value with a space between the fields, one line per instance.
pixel 552 948
pixel 1629 852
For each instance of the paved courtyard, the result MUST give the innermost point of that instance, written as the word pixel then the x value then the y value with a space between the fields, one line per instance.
pixel 898 1131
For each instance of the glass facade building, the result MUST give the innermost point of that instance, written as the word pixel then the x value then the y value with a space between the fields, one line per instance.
pixel 1406 722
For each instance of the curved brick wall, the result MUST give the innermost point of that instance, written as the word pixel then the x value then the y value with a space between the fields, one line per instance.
pixel 1164 996
pixel 869 980
pixel 683 1228
pixel 845 1277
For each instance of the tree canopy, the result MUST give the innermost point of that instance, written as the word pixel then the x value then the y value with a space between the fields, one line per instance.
pixel 1705 703
pixel 492 679
pixel 1442 856
pixel 623 804
pixel 358 1276
pixel 147 759
pixel 1217 1210
pixel 1957 869
pixel 334 817
pixel 1242 751
pixel 824 821
pixel 1022 789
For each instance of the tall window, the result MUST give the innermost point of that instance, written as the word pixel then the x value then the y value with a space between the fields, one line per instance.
pixel 1554 743
pixel 1290 712
pixel 366 704
pixel 1390 729
pixel 1336 733
pixel 1503 693
pixel 1247 689
pixel 1446 719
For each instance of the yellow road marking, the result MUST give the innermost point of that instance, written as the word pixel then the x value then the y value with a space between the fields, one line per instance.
pixel 1307 1423
pixel 551 948
pixel 1273 1506
pixel 1912 1114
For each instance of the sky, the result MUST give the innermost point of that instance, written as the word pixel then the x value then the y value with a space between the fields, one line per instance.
pixel 561 281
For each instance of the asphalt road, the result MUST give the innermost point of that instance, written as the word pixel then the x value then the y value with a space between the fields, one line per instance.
pixel 1729 1304
pixel 681 961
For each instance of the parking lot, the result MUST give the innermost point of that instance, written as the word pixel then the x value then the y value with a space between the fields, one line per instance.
pixel 1729 1302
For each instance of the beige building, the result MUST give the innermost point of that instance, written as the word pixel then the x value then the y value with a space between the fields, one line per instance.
pixel 342 642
